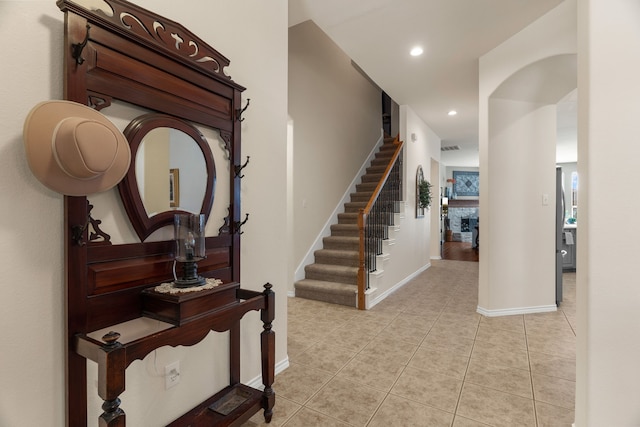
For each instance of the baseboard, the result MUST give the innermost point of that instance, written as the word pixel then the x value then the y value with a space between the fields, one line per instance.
pixel 397 286
pixel 257 381
pixel 291 294
pixel 520 310
pixel 436 257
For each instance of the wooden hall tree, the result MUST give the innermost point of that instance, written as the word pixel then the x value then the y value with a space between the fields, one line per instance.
pixel 131 55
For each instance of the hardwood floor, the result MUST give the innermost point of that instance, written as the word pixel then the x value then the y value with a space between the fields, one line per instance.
pixel 459 251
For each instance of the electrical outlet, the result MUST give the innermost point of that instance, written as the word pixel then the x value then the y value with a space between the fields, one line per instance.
pixel 171 375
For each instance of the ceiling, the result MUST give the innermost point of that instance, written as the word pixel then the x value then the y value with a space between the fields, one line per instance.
pixel 378 35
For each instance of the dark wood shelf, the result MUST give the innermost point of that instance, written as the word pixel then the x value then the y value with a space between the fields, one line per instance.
pixel 232 406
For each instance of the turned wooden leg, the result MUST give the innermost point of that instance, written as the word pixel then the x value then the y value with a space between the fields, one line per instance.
pixel 268 345
pixel 111 373
pixel 112 416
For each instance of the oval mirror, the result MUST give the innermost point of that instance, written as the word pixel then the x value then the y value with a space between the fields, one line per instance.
pixel 172 171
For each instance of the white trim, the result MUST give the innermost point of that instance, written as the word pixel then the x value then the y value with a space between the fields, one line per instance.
pixel 257 381
pixel 521 310
pixel 291 294
pixel 326 230
pixel 397 286
pixel 436 257
pixel 368 294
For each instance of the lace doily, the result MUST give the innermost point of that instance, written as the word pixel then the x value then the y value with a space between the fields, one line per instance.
pixel 169 288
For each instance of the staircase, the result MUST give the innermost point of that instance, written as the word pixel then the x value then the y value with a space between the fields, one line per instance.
pixel 333 277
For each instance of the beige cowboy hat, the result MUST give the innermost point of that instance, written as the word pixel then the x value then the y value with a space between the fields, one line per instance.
pixel 74 149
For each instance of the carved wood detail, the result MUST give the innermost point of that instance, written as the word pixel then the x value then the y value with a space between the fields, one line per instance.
pixel 156 32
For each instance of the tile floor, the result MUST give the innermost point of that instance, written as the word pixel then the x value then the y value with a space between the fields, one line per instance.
pixel 424 357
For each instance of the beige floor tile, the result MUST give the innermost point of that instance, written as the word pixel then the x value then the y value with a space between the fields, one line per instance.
pixel 390 306
pixel 463 329
pixel 297 345
pixel 444 362
pixel 554 416
pixel 397 411
pixel 411 335
pixel 550 321
pixel 420 323
pixel 349 339
pixel 509 323
pixel 573 322
pixel 372 372
pixel 553 366
pixel 495 408
pixel 370 326
pixel 440 391
pixel 552 330
pixel 454 343
pixel 560 347
pixel 431 311
pixel 406 358
pixel 308 418
pixel 508 380
pixel 324 356
pixel 555 391
pixel 377 313
pixel 298 383
pixel 469 318
pixel 389 349
pixel 347 401
pixel 466 422
pixel 507 339
pixel 282 412
pixel 491 354
pixel 307 330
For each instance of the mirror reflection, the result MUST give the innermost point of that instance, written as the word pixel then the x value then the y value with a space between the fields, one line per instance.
pixel 171 172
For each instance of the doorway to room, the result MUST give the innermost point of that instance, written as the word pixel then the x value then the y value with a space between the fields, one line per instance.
pixel 461 214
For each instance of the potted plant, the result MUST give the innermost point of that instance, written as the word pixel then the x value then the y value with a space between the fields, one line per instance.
pixel 424 194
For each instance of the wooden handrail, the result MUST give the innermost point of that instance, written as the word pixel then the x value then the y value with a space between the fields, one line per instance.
pixel 399 144
pixel 362 220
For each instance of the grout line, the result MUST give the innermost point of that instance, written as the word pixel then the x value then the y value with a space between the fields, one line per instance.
pixel 533 391
pixel 455 412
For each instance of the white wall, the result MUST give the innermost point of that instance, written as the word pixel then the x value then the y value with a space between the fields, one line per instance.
pixel 253 35
pixel 608 296
pixel 411 251
pixel 337 120
pixel 516 242
pixel 522 241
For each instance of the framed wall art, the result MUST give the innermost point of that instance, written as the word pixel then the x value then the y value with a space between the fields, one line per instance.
pixel 466 183
pixel 174 188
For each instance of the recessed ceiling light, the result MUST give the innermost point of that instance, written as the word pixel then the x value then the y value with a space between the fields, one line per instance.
pixel 452 113
pixel 416 51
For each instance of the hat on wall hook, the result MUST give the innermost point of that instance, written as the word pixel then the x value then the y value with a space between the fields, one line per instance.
pixel 73 149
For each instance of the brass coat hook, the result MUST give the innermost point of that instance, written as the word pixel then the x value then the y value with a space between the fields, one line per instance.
pixel 79 47
pixel 240 111
pixel 239 168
